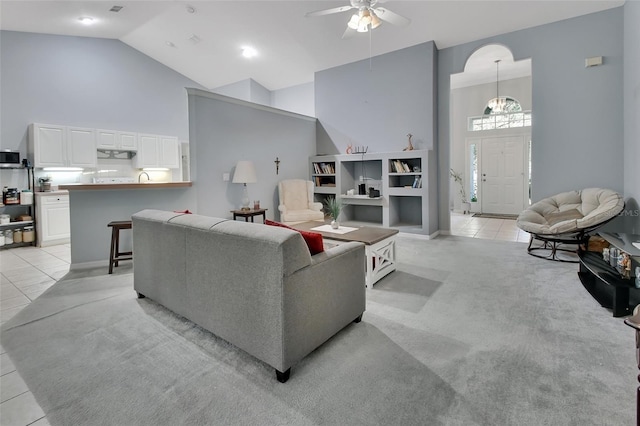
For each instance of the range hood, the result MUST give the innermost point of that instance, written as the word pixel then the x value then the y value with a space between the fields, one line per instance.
pixel 115 154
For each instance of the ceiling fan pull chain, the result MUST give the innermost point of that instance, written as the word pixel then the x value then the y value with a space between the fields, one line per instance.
pixel 370 35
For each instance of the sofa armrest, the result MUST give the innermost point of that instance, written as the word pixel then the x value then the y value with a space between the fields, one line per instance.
pixel 322 298
pixel 315 206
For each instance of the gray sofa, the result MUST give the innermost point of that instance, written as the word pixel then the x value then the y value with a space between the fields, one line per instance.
pixel 253 285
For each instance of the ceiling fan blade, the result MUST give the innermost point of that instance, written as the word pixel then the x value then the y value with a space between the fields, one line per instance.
pixel 328 11
pixel 391 17
pixel 348 33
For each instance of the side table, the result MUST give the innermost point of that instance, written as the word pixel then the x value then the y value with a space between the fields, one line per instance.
pixel 250 214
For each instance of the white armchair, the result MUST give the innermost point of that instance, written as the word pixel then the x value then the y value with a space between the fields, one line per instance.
pixel 296 202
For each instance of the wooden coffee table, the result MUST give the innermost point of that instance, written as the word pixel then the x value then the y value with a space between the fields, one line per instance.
pixel 380 246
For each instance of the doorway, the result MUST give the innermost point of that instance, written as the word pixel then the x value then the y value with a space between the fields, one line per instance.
pixel 498 173
pixel 491 144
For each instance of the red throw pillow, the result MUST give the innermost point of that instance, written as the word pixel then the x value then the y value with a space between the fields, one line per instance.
pixel 313 239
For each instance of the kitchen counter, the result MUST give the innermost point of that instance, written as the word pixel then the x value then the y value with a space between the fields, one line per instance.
pixel 107 186
pixel 50 193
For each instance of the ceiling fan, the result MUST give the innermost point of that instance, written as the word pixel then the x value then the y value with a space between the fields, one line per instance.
pixel 367 18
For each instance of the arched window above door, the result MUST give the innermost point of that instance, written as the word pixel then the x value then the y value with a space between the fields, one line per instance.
pixel 502 105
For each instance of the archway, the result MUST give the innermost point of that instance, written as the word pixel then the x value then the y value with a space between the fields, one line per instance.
pixel 477 125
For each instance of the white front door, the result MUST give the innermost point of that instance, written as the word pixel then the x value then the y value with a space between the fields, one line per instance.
pixel 502 175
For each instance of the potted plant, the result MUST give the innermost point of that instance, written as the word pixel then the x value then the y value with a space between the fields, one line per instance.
pixel 334 207
pixel 474 205
pixel 464 203
pixel 45 183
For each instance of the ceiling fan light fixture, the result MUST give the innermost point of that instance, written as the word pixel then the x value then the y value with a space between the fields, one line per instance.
pixel 375 21
pixel 353 22
pixel 362 27
pixel 365 16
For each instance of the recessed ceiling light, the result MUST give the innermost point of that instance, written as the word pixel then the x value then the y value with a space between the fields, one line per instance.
pixel 85 20
pixel 190 9
pixel 116 9
pixel 249 52
pixel 195 39
pixel 170 44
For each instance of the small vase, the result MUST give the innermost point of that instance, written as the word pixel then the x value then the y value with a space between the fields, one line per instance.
pixel 335 224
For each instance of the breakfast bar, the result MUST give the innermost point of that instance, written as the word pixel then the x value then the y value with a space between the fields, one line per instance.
pixel 92 206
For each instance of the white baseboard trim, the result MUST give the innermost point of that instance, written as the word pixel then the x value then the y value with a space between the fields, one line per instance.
pixel 420 236
pixel 89 265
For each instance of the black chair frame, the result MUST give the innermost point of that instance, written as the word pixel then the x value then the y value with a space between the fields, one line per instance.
pixel 553 242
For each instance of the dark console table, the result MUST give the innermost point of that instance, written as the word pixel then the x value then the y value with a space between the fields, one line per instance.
pixel 604 282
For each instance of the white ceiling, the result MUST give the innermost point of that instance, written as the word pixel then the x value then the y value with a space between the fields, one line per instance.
pixel 291 47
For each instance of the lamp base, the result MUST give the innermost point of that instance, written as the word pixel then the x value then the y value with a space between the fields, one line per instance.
pixel 245 199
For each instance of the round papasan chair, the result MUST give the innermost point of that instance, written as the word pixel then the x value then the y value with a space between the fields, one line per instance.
pixel 568 218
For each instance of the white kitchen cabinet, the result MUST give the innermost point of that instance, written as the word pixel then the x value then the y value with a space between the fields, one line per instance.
pixel 53 225
pixel 62 146
pixel 81 147
pixel 147 151
pixel 169 150
pixel 47 144
pixel 117 140
pixel 157 151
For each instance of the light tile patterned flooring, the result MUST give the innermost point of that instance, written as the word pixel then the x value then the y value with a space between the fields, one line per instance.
pixel 466 225
pixel 26 272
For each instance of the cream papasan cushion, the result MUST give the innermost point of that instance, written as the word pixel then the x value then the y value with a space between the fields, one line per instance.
pixel 571 212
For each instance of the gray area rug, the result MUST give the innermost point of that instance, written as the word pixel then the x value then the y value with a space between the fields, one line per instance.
pixel 466 332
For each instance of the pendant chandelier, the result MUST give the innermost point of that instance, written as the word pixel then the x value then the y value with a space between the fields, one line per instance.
pixel 499 104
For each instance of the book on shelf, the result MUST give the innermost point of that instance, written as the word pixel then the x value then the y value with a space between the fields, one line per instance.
pixel 324 168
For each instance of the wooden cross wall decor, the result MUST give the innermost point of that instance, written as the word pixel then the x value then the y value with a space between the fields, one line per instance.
pixel 277 161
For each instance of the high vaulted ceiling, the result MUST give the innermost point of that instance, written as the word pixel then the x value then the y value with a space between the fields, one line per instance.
pixel 203 39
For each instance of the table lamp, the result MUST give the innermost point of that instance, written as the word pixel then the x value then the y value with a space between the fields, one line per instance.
pixel 245 173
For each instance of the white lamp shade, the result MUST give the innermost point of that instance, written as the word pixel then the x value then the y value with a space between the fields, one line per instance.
pixel 245 172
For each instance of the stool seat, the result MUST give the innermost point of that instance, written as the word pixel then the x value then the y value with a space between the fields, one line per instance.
pixel 115 255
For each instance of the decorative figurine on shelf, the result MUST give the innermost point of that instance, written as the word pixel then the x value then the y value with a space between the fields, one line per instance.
pixel 410 146
pixel 626 265
pixel 637 276
pixel 605 254
pixel 349 149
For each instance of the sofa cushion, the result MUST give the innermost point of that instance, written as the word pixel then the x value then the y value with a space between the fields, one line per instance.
pixel 313 239
pixel 553 218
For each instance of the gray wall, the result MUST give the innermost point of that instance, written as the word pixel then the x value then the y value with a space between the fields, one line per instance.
pixel 377 104
pixel 247 90
pixel 298 99
pixel 88 82
pixel 577 132
pixel 632 114
pixel 224 130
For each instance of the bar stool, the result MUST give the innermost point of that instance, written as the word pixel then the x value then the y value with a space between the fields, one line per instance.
pixel 116 255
